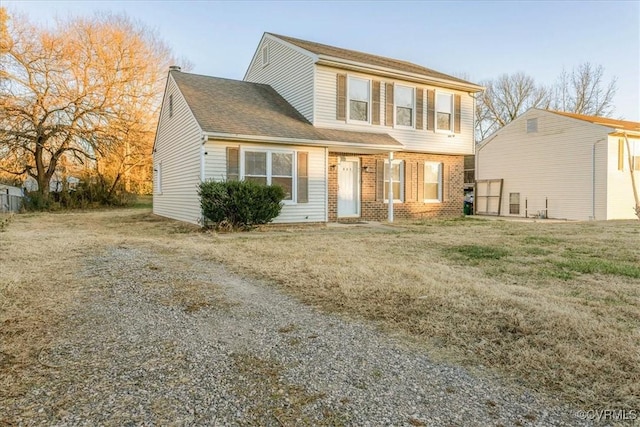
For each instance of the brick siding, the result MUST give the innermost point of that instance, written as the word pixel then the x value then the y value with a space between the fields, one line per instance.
pixel 377 210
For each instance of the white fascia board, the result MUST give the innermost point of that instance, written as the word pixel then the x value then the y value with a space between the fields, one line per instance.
pixel 297 141
pixel 389 72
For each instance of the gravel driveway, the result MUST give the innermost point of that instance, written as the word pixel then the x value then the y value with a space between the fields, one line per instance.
pixel 138 350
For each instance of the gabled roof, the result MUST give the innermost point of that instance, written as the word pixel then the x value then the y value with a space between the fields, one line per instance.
pixel 369 59
pixel 604 121
pixel 240 108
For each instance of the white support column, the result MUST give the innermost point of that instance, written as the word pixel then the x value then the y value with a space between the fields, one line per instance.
pixel 390 215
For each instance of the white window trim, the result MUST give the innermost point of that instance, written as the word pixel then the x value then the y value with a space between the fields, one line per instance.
pixel 294 165
pixel 435 111
pixel 401 198
pixel 266 49
pixel 440 182
pixel 349 119
pixel 395 108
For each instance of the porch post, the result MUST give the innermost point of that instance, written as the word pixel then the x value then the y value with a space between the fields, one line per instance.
pixel 390 215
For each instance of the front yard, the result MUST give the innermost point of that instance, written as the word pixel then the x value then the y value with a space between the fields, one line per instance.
pixel 554 307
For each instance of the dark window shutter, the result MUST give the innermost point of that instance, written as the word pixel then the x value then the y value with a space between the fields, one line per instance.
pixel 380 180
pixel 431 109
pixel 233 163
pixel 419 108
pixel 375 103
pixel 341 97
pixel 456 113
pixel 388 113
pixel 420 181
pixel 410 189
pixel 303 177
pixel 446 180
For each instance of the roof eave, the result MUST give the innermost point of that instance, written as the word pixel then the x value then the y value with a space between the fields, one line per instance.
pixel 390 72
pixel 297 141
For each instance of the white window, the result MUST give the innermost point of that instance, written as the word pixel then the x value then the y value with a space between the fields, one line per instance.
pixel 532 125
pixel 270 168
pixel 397 175
pixel 405 105
pixel 359 99
pixel 266 55
pixel 444 111
pixel 432 182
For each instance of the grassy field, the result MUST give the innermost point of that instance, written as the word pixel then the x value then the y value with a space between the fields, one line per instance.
pixel 551 306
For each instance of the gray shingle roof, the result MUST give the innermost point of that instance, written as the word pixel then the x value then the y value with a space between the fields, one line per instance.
pixel 243 108
pixel 369 59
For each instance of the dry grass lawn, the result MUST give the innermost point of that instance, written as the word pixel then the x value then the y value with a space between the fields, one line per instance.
pixel 552 306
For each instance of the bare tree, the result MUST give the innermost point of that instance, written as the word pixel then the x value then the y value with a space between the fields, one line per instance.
pixel 504 99
pixel 84 91
pixel 584 91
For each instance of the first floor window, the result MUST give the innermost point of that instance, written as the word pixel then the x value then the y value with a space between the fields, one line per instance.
pixel 514 203
pixel 432 182
pixel 359 94
pixel 270 168
pixel 396 178
pixel 444 111
pixel 404 100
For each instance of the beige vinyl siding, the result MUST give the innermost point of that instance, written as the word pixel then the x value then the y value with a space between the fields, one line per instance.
pixel 421 141
pixel 554 163
pixel 177 148
pixel 313 211
pixel 620 200
pixel 289 72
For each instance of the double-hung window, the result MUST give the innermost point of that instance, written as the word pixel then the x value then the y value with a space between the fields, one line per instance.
pixel 405 105
pixel 359 99
pixel 432 182
pixel 270 168
pixel 444 112
pixel 397 173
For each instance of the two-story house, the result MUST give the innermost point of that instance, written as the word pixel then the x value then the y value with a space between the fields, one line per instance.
pixel 340 130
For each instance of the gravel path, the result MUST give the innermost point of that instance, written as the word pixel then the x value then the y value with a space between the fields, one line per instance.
pixel 140 350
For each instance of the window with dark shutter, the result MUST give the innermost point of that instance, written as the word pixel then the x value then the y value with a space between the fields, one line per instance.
pixel 303 177
pixel 233 163
pixel 446 183
pixel 388 111
pixel 431 111
pixel 379 180
pixel 341 97
pixel 419 108
pixel 375 103
pixel 410 182
pixel 456 113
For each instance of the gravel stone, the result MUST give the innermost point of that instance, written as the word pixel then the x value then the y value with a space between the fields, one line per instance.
pixel 136 351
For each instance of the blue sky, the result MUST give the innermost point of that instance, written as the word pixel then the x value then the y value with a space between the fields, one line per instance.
pixel 473 39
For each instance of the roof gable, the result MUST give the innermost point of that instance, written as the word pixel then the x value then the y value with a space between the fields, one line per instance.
pixel 369 59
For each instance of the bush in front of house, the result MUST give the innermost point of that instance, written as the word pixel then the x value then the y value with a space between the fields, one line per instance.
pixel 241 204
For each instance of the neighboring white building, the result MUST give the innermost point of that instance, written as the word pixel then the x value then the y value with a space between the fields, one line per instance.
pixel 322 122
pixel 561 165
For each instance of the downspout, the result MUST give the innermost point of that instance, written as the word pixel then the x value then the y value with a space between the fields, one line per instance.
pixel 593 178
pixel 390 215
pixel 633 178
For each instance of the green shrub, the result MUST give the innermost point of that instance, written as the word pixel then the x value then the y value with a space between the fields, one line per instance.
pixel 242 204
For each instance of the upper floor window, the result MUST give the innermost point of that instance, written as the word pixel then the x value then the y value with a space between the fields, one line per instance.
pixel 444 111
pixel 265 55
pixel 405 105
pixel 359 99
pixel 432 182
pixel 532 125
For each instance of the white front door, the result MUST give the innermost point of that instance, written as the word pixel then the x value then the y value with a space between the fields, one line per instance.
pixel 348 187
